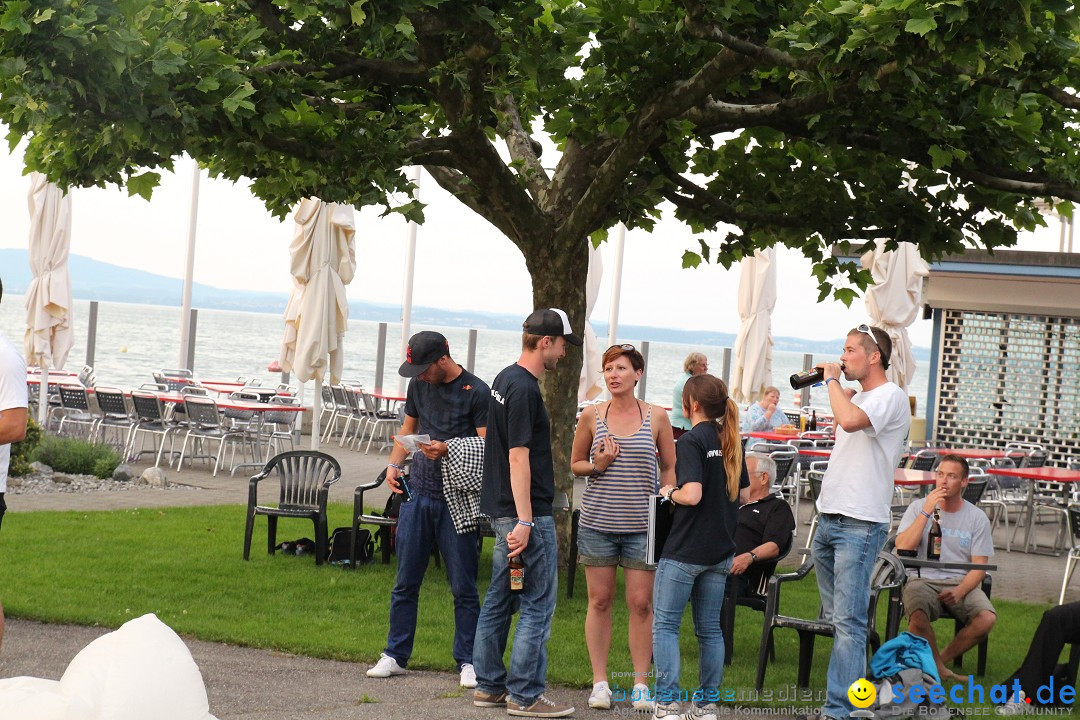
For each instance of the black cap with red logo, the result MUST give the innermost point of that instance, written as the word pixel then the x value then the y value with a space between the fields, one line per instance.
pixel 425 347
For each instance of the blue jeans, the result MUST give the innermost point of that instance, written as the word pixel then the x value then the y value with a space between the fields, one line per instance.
pixel 528 658
pixel 425 522
pixel 703 587
pixel 845 550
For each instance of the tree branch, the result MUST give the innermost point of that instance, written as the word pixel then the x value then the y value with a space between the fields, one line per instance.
pixel 384 72
pixel 762 55
pixel 523 149
pixel 469 195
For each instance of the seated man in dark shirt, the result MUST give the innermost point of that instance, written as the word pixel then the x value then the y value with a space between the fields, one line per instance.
pixel 765 530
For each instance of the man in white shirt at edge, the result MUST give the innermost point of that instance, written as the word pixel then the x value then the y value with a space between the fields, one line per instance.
pixel 854 503
pixel 12 416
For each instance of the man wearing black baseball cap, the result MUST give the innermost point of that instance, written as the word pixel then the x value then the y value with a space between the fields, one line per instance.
pixel 444 401
pixel 519 487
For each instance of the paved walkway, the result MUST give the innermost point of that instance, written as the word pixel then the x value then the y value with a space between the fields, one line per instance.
pixel 249 684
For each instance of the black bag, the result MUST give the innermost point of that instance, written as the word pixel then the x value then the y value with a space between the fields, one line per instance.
pixel 341 541
pixel 387 534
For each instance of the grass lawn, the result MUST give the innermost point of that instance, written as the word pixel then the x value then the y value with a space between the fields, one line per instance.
pixel 185 565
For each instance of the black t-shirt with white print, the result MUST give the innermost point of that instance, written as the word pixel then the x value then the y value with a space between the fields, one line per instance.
pixel 517 418
pixel 703 534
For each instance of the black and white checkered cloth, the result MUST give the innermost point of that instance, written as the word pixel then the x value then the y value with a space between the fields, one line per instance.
pixel 463 476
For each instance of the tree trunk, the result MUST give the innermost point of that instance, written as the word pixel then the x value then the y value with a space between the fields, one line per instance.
pixel 559 271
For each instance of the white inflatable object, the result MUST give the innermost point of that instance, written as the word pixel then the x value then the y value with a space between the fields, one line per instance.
pixel 142 670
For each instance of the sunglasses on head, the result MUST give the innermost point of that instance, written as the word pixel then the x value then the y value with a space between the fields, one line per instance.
pixel 625 346
pixel 864 328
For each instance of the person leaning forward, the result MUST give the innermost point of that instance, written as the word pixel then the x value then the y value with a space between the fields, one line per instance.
pixel 519 487
pixel 446 402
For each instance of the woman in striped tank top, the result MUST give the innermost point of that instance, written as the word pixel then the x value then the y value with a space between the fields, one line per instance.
pixel 625 449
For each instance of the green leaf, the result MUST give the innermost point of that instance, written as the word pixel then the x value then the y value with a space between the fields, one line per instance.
pixel 143 184
pixel 598 237
pixel 356 10
pixel 940 157
pixel 845 295
pixel 921 26
pixel 690 259
pixel 208 84
pixel 43 15
pixel 237 100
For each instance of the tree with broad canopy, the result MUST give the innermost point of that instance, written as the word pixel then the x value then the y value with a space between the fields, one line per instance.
pixel 938 122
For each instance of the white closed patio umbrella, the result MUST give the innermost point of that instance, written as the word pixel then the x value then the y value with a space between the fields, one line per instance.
pixel 323 262
pixel 591 382
pixel 753 344
pixel 894 301
pixel 48 299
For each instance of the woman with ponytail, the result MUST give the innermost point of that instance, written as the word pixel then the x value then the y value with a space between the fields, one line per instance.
pixel 710 478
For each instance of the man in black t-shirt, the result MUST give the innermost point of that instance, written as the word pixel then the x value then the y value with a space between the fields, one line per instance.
pixel 444 401
pixel 766 526
pixel 519 485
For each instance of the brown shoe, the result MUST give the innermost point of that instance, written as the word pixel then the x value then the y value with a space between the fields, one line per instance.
pixel 483 699
pixel 542 708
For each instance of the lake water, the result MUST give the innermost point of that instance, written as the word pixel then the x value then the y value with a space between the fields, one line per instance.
pixel 135 340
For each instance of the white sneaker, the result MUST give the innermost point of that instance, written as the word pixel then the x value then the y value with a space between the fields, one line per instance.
pixel 670 710
pixel 601 696
pixel 701 712
pixel 1021 707
pixel 386 667
pixel 468 676
pixel 641 698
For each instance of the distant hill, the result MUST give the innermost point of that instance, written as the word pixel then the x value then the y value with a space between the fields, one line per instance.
pixel 104 281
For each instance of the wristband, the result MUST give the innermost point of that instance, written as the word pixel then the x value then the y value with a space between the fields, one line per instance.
pixel 925 514
pixel 396 467
pixel 830 380
pixel 526 524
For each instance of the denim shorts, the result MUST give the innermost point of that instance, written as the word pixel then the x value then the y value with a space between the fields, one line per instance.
pixel 601 549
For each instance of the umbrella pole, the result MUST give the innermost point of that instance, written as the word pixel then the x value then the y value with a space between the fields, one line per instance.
pixel 43 398
pixel 316 412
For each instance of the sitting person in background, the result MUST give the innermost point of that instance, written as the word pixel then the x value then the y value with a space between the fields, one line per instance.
pixel 764 415
pixel 1059 625
pixel 965 538
pixel 765 530
pixel 694 364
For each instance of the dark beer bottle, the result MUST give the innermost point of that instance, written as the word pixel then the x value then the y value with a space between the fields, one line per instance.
pixel 933 541
pixel 813 421
pixel 806 378
pixel 517 574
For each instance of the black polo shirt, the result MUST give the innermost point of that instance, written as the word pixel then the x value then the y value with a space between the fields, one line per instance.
pixel 762 521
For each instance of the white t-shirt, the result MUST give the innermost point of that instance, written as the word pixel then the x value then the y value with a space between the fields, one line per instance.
pixel 859 480
pixel 12 394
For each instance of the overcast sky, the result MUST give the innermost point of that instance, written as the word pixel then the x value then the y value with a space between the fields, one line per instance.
pixel 461 263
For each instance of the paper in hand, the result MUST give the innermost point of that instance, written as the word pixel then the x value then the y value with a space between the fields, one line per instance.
pixel 412 443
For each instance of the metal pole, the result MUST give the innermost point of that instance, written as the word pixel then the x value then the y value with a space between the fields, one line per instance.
pixel 407 288
pixel 43 398
pixel 804 394
pixel 91 333
pixel 380 357
pixel 193 321
pixel 189 269
pixel 644 375
pixel 616 287
pixel 470 359
pixel 725 366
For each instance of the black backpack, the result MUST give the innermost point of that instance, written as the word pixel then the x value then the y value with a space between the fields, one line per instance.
pixel 341 541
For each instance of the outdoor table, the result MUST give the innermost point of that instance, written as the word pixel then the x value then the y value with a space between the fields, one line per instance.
pixel 227 388
pixel 971 453
pixel 774 436
pixel 56 377
pixel 1033 475
pixel 258 408
pixel 913 478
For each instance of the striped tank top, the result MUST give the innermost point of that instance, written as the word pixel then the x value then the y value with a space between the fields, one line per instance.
pixel 617 500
